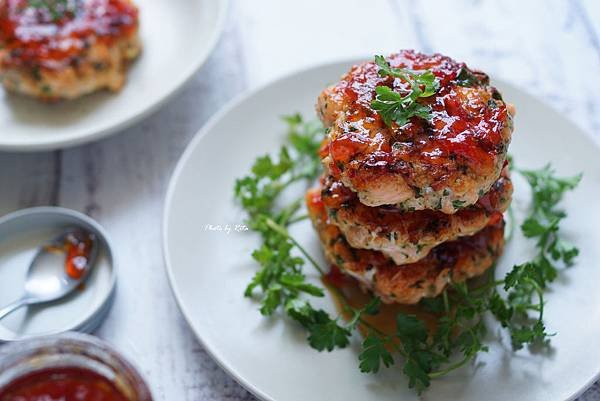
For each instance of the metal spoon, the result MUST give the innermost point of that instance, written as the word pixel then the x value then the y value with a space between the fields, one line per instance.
pixel 57 269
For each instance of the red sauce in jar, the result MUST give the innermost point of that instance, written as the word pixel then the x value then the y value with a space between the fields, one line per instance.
pixel 62 384
pixel 54 34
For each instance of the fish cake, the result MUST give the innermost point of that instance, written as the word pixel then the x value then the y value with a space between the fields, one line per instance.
pixel 64 49
pixel 444 163
pixel 408 236
pixel 453 261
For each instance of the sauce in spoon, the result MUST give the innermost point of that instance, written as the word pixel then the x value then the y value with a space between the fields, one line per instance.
pixel 77 246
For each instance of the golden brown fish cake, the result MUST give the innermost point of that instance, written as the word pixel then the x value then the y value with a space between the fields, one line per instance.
pixel 407 284
pixel 63 50
pixel 407 237
pixel 447 162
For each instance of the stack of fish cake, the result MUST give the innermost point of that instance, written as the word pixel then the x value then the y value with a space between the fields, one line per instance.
pixel 408 208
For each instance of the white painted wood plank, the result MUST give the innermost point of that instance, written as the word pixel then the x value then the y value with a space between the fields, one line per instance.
pixel 28 180
pixel 544 47
pixel 282 36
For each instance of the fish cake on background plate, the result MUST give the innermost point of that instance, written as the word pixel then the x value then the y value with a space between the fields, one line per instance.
pixel 64 49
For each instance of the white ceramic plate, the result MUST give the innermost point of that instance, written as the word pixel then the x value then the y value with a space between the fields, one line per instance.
pixel 177 36
pixel 209 269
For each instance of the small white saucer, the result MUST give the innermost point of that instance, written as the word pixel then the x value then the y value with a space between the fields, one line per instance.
pixel 21 234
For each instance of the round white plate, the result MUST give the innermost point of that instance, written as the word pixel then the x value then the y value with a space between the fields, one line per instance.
pixel 177 37
pixel 209 269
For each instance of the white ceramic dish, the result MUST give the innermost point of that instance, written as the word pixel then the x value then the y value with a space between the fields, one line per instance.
pixel 177 36
pixel 210 269
pixel 21 233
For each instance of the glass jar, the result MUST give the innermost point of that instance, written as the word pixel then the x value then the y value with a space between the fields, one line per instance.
pixel 71 350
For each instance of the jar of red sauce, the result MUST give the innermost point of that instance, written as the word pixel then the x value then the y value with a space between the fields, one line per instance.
pixel 68 367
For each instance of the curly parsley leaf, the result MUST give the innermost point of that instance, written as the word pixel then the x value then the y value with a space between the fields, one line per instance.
pixel 324 333
pixel 420 359
pixel 500 309
pixel 57 9
pixel 328 335
pixel 297 282
pixel 410 329
pixel 391 106
pixel 548 190
pixel 374 354
pixel 400 108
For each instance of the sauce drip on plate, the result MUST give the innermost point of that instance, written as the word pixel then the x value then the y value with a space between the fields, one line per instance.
pixel 385 320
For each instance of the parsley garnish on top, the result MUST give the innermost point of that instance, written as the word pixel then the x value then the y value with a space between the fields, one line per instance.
pixel 516 301
pixel 57 9
pixel 401 107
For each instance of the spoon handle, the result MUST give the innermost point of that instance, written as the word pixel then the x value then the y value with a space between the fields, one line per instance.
pixel 8 309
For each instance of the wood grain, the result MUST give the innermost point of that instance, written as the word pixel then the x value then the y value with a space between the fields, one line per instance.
pixel 549 48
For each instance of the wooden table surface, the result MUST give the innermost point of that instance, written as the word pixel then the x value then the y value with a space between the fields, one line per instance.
pixel 549 48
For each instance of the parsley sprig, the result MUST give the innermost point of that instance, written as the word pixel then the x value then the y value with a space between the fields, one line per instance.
pixel 57 9
pixel 531 278
pixel 269 179
pixel 429 354
pixel 425 353
pixel 280 281
pixel 393 106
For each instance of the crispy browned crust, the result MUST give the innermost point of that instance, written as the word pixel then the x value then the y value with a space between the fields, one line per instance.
pixel 457 156
pixel 102 67
pixel 407 284
pixel 405 236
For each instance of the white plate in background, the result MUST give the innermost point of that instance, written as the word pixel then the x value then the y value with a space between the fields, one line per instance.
pixel 177 37
pixel 209 269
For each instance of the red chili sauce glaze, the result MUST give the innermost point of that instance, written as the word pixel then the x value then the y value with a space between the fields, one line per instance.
pixel 62 384
pixel 467 118
pixel 52 33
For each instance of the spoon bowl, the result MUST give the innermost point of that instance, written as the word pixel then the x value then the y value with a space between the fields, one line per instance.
pixel 22 233
pixel 58 268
